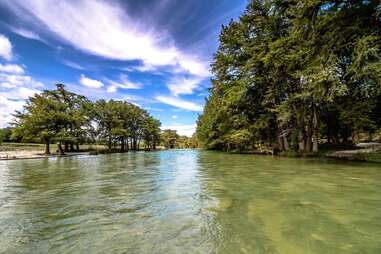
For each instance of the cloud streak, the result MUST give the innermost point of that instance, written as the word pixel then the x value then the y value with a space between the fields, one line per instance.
pixel 123 83
pixel 112 33
pixel 179 103
pixel 90 83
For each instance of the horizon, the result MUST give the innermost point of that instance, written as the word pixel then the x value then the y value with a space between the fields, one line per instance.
pixel 139 52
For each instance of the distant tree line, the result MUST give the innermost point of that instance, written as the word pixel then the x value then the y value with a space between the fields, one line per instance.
pixel 171 140
pixel 292 74
pixel 69 119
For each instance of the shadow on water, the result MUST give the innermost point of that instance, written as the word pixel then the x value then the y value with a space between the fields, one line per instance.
pixel 188 201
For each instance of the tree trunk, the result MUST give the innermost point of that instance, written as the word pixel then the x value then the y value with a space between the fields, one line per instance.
pixel 302 132
pixel 285 143
pixel 47 147
pixel 280 144
pixel 77 147
pixel 66 147
pixel 302 140
pixel 134 144
pixel 315 146
pixel 122 144
pixel 308 144
pixel 60 150
pixel 109 143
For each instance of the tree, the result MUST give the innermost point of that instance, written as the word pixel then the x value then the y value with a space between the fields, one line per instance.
pixel 5 135
pixel 169 138
pixel 289 73
pixel 43 119
pixel 70 119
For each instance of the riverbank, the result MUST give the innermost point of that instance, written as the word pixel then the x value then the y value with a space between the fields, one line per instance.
pixel 365 152
pixel 369 152
pixel 24 155
pixel 23 151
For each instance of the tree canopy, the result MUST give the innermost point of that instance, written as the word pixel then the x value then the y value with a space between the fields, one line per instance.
pixel 71 119
pixel 289 73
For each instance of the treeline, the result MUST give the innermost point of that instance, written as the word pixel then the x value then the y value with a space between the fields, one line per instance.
pixel 289 75
pixel 68 119
pixel 170 140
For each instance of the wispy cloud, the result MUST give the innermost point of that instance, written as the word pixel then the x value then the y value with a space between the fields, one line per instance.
pixel 179 103
pixel 11 68
pixel 73 65
pixel 8 107
pixel 123 83
pixel 91 83
pixel 183 85
pixel 26 33
pixel 112 33
pixel 8 80
pixel 15 88
pixel 5 48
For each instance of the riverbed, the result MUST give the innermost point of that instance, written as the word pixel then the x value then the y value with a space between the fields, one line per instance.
pixel 189 201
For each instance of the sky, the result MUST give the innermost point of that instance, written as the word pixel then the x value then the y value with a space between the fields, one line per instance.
pixel 153 53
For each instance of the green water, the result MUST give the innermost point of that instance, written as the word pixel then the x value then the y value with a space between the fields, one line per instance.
pixel 189 202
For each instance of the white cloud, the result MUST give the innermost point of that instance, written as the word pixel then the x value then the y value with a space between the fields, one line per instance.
pixel 179 103
pixel 5 48
pixel 10 80
pixel 186 130
pixel 25 93
pixel 91 83
pixel 175 117
pixel 8 107
pixel 12 99
pixel 182 85
pixel 11 68
pixel 123 83
pixel 106 30
pixel 14 90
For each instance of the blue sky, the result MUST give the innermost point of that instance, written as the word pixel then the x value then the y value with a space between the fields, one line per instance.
pixel 155 54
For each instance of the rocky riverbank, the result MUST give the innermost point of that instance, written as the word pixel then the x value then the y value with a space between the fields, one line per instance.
pixel 364 152
pixel 33 154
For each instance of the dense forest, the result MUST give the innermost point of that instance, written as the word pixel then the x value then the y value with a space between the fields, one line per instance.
pixel 290 75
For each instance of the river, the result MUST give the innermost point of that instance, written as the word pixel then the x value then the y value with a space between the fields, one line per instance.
pixel 189 201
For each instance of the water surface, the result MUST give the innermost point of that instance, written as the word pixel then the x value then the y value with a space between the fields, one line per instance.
pixel 189 202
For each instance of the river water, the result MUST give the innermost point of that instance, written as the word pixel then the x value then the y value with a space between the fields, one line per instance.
pixel 189 202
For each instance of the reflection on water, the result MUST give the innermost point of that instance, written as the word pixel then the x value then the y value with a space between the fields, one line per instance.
pixel 189 202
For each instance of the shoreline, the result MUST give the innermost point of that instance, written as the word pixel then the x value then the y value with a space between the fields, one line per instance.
pixel 34 154
pixel 29 155
pixel 362 154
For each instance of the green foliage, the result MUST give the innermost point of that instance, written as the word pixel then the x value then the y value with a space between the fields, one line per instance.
pixel 5 135
pixel 287 74
pixel 170 140
pixel 71 119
